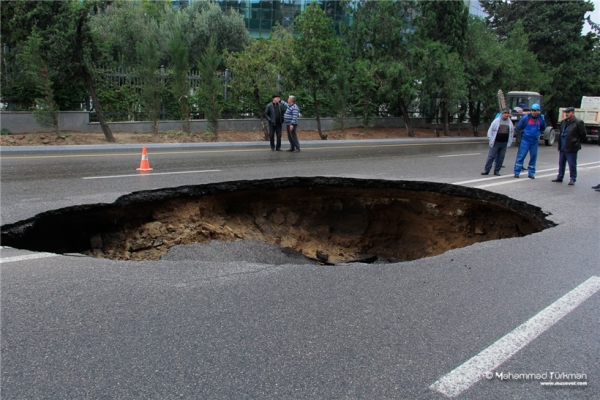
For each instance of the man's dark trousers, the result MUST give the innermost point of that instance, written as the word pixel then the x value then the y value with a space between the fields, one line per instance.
pixel 497 150
pixel 293 137
pixel 565 157
pixel 272 129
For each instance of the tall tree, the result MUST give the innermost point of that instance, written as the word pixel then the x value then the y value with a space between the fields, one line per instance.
pixel 152 86
pixel 554 31
pixel 204 21
pixel 180 85
pixel 257 70
pixel 18 20
pixel 446 23
pixel 46 109
pixel 318 53
pixel 210 88
pixel 76 46
pixel 484 59
pixel 121 27
pixel 379 37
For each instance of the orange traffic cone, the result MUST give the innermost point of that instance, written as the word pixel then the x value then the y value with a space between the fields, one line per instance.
pixel 144 164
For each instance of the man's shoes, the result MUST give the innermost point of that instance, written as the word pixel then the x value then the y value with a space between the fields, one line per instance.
pixel 516 175
pixel 297 151
pixel 571 182
pixel 596 187
pixel 278 149
pixel 291 150
pixel 557 180
pixel 597 190
pixel 531 176
pixel 272 149
pixel 485 173
pixel 497 173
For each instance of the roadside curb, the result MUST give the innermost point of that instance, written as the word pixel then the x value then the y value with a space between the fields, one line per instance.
pixel 265 144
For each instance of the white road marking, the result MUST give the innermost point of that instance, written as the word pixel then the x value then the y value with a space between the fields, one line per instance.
pixel 510 175
pixel 473 370
pixel 153 173
pixel 26 257
pixel 460 155
pixel 524 178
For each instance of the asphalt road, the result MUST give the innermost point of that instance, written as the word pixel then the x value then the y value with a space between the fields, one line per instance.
pixel 185 327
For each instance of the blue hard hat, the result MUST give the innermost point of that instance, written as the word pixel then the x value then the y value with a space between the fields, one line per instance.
pixel 535 106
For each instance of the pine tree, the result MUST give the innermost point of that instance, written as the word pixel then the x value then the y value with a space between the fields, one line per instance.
pixel 210 88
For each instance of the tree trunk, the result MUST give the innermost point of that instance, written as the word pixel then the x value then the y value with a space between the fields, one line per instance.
pixel 445 120
pixel 409 128
pixel 316 102
pixel 475 118
pixel 261 114
pixel 89 81
pixel 437 121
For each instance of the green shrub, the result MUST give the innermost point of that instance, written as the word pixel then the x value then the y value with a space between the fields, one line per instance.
pixel 4 131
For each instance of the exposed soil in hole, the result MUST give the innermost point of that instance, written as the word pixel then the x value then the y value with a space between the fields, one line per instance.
pixel 328 219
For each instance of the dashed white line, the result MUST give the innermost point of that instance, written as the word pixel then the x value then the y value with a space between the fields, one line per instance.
pixel 151 174
pixel 26 257
pixel 460 155
pixel 473 370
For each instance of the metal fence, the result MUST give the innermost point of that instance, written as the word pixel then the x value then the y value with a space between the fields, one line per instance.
pixel 128 76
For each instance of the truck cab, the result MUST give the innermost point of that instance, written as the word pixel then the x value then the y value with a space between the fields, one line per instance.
pixel 520 106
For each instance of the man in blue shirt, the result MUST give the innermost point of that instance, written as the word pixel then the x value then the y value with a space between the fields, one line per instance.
pixel 532 126
pixel 572 133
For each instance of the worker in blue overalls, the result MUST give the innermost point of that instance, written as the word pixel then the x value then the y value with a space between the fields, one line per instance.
pixel 532 126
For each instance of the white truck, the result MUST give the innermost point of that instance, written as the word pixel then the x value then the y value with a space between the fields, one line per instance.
pixel 589 113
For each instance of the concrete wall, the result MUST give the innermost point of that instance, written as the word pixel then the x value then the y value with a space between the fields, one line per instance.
pixel 77 121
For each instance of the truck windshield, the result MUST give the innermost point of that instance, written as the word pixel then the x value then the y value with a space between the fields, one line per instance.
pixel 520 103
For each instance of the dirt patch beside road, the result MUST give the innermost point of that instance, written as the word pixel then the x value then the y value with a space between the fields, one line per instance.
pixel 81 138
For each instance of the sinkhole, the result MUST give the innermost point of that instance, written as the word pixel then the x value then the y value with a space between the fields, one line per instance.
pixel 330 220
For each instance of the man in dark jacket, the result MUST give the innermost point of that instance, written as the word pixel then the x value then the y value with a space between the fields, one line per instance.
pixel 274 114
pixel 572 133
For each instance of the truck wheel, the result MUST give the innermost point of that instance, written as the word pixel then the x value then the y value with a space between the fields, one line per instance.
pixel 549 136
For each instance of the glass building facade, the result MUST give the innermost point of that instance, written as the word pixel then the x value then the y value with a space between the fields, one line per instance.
pixel 260 16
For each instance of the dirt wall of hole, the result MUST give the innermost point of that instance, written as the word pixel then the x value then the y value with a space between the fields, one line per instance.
pixel 329 219
pixel 343 225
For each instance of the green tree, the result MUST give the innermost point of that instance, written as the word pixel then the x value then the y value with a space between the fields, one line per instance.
pixel 443 79
pixel 341 96
pixel 46 109
pixel 364 86
pixel 152 86
pixel 484 60
pixel 445 22
pixel 121 27
pixel 210 88
pixel 180 84
pixel 18 20
pixel 379 37
pixel 318 53
pixel 523 71
pixel 77 46
pixel 554 31
pixel 257 70
pixel 442 31
pixel 204 21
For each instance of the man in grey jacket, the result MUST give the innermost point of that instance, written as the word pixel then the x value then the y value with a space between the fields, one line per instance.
pixel 500 136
